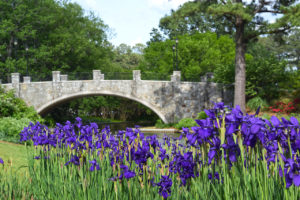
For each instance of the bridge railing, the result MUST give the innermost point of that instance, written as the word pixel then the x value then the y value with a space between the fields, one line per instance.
pixel 136 75
pixel 5 79
pixel 118 76
pixel 80 76
pixel 155 76
pixel 38 77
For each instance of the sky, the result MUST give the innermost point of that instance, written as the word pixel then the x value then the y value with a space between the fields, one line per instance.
pixel 130 21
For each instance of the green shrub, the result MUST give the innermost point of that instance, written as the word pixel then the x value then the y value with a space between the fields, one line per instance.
pixel 255 102
pixel 186 122
pixel 202 115
pixel 10 128
pixel 14 116
pixel 161 124
pixel 10 106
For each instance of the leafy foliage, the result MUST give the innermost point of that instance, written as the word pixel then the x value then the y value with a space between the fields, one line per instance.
pixel 202 115
pixel 265 73
pixel 246 20
pixel 14 116
pixel 257 102
pixel 58 35
pixel 160 124
pixel 10 106
pixel 197 54
pixel 186 122
pixel 10 128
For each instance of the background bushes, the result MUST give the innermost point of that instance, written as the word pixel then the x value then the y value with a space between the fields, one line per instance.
pixel 14 116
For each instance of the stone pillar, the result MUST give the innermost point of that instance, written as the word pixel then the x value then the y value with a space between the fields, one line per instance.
pixel 97 75
pixel 15 81
pixel 176 77
pixel 0 81
pixel 15 78
pixel 64 77
pixel 26 79
pixel 136 75
pixel 55 76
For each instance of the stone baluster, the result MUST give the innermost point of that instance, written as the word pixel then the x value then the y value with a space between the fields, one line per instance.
pixel 176 77
pixel 55 76
pixel 15 80
pixel 63 77
pixel 97 75
pixel 26 79
pixel 136 75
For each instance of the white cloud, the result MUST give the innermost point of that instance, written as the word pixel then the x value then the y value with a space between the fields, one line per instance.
pixel 136 41
pixel 166 4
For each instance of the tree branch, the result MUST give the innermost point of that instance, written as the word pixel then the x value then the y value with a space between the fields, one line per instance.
pixel 261 5
pixel 223 2
pixel 258 33
pixel 270 11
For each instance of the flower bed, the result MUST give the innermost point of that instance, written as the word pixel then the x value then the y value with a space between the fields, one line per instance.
pixel 227 156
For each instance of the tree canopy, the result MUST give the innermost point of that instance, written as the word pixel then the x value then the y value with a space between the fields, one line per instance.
pixel 245 18
pixel 50 35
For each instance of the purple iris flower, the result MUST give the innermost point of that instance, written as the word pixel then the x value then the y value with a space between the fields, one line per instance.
pixel 95 165
pixel 153 141
pixel 78 122
pixel 219 106
pixel 291 171
pixel 165 185
pixel 126 172
pixel 215 148
pixel 257 111
pixel 1 161
pixel 233 150
pixel 163 154
pixel 74 159
pixel 216 177
pixel 184 165
pixel 294 121
pixel 141 155
pixel 275 121
pixel 210 114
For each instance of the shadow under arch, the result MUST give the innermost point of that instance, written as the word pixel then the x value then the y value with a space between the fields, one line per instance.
pixel 46 107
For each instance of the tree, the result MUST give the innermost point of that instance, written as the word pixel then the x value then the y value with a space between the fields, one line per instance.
pixel 58 35
pixel 248 23
pixel 127 57
pixel 192 18
pixel 197 54
pixel 266 73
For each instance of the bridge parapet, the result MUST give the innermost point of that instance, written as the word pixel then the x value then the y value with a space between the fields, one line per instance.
pixel 97 76
pixel 176 77
pixel 136 75
pixel 56 76
pixel 26 79
pixel 63 77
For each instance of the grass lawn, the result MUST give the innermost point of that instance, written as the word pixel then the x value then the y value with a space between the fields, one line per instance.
pixel 13 155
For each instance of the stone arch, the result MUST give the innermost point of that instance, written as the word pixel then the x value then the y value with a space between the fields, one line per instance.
pixel 44 108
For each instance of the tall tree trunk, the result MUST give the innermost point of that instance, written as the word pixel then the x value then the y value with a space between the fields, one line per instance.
pixel 240 66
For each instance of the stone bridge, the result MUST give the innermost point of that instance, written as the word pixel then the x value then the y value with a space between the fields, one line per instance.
pixel 170 100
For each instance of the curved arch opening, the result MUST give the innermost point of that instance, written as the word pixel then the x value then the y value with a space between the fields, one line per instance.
pixel 43 110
